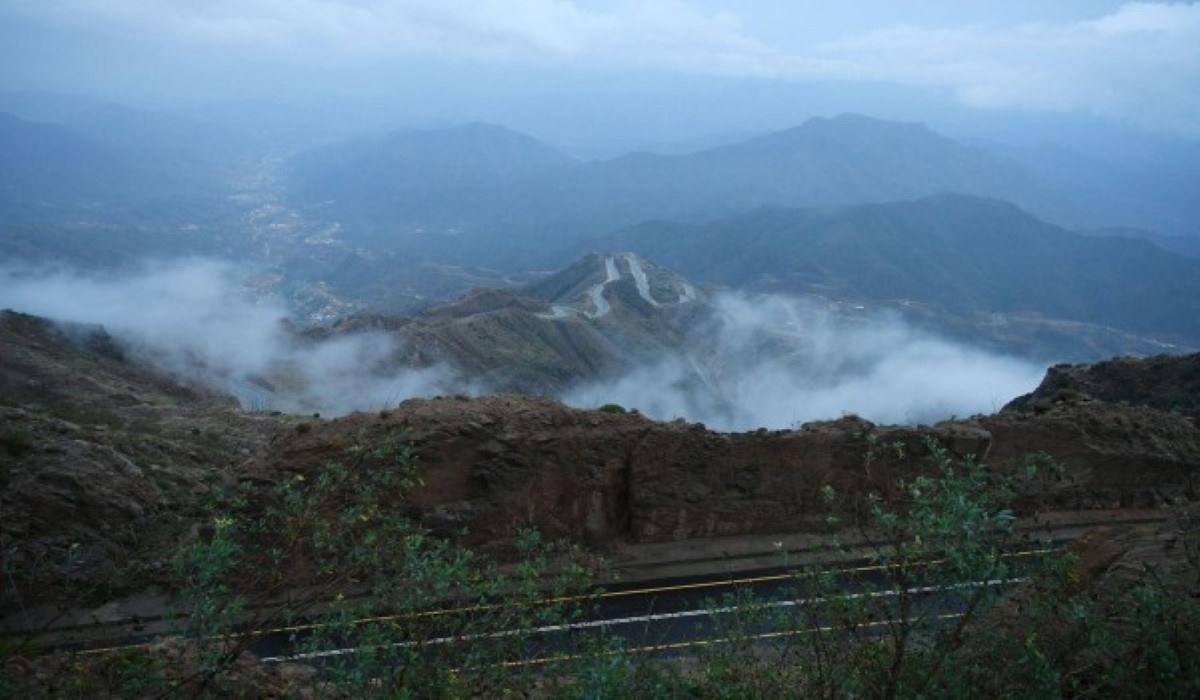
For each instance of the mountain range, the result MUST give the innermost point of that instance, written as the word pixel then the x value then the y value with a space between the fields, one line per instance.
pixel 447 191
pixel 962 254
pixel 612 314
pixel 978 242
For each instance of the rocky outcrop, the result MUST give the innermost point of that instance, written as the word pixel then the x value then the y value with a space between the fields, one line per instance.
pixel 103 464
pixel 501 463
pixel 599 318
pixel 102 461
pixel 1165 382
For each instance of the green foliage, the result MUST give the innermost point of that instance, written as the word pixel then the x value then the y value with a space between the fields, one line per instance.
pixel 946 535
pixel 208 608
pixel 423 616
pixel 912 610
pixel 17 443
pixel 872 629
pixel 612 408
pixel 1119 638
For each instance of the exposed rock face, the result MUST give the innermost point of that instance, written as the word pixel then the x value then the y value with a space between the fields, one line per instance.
pixel 1115 456
pixel 101 461
pixel 501 463
pixel 598 318
pixel 1166 382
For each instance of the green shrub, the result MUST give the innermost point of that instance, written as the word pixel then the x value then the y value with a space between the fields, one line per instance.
pixel 374 579
pixel 612 408
pixel 17 443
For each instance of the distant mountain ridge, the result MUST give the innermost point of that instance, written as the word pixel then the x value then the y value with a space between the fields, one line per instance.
pixel 38 159
pixel 180 141
pixel 964 254
pixel 590 321
pixel 120 161
pixel 541 200
pixel 425 176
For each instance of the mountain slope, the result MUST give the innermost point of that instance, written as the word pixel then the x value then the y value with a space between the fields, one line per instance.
pixel 49 170
pixel 435 176
pixel 591 321
pixel 175 141
pixel 478 181
pixel 846 159
pixel 44 164
pixel 1155 187
pixel 961 253
pixel 1163 382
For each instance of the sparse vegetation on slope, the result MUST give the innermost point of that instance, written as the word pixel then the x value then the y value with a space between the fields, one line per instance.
pixel 373 575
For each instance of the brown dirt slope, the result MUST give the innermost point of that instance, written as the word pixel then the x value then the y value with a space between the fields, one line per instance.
pixel 102 462
pixel 497 464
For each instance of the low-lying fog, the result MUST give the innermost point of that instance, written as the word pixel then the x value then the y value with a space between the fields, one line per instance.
pixel 761 362
pixel 773 361
pixel 193 317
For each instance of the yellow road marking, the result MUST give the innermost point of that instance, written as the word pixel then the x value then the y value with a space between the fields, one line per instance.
pixel 561 599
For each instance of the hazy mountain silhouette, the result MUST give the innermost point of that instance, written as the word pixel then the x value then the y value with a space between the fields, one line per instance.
pixel 958 252
pixel 45 165
pixel 483 180
pixel 425 176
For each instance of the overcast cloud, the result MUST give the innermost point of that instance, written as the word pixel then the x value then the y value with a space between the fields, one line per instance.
pixel 1137 62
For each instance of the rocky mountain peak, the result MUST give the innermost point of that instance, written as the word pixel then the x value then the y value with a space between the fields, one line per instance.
pixel 592 286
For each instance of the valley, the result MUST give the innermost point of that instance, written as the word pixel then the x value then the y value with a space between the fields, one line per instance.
pixel 400 401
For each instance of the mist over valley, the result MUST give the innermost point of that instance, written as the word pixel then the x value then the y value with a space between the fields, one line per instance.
pixel 599 348
pixel 846 265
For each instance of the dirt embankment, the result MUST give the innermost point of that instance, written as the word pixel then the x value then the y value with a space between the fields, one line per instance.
pixel 102 461
pixel 104 465
pixel 497 464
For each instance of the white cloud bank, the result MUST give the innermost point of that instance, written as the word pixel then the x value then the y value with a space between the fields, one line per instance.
pixel 776 362
pixel 190 317
pixel 1138 64
pixel 761 361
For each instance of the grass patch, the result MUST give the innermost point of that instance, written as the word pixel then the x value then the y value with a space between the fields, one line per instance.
pixel 85 415
pixel 17 443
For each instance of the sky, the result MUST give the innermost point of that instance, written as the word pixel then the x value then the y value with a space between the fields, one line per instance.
pixel 669 68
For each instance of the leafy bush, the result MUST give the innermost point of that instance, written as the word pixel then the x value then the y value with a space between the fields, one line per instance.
pixel 419 616
pixel 17 443
pixel 374 581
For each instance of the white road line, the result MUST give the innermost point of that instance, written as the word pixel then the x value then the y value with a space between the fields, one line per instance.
pixel 639 278
pixel 613 622
pixel 610 269
pixel 596 291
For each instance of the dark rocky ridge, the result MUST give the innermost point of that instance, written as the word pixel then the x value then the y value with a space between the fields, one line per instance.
pixel 102 461
pixel 105 463
pixel 497 464
pixel 1165 382
pixel 577 325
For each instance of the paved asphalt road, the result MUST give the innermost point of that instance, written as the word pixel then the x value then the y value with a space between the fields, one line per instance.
pixel 679 615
